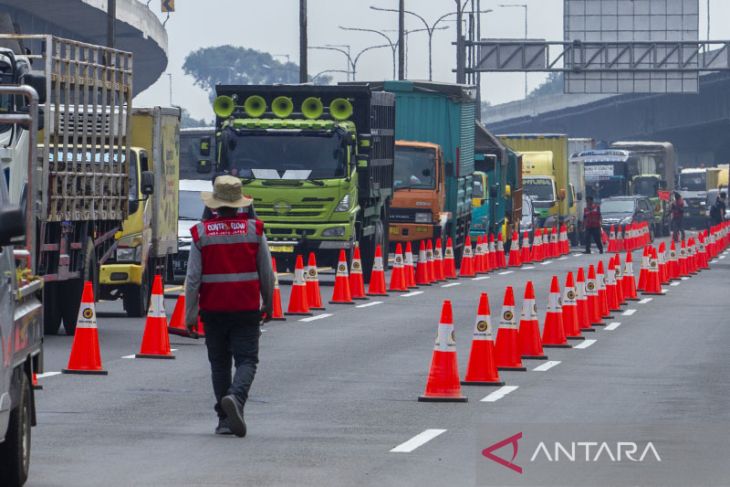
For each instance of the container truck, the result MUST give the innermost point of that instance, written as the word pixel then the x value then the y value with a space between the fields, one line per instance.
pixel 147 242
pixel 197 153
pixel 693 185
pixel 318 162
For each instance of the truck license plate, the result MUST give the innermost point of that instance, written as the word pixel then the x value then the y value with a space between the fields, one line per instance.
pixel 281 248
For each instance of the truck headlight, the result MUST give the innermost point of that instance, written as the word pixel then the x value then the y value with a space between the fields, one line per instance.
pixel 344 204
pixel 128 254
pixel 334 232
pixel 703 203
pixel 423 217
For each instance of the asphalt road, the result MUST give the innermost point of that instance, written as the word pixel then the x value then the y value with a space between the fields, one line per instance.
pixel 334 395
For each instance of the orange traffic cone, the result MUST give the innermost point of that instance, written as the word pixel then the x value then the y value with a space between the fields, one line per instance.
pixel 449 263
pixel 619 280
pixel 397 277
pixel 525 256
pixel 663 273
pixel 644 269
pixel 501 262
pixel 553 333
pixel 594 302
pixel 584 315
pixel 34 384
pixel 156 340
pixel 276 311
pixel 479 267
pixel 507 347
pixel 443 378
pixel 422 266
pixel 611 293
pixel 377 276
pixel 564 241
pixel 431 272
pixel 177 321
pixel 487 255
pixel 311 278
pixel 482 368
pixel 612 247
pixel 602 291
pixel 408 270
pixel 683 271
pixel 514 251
pixel 629 280
pixel 653 283
pixel 85 355
pixel 536 252
pixel 357 284
pixel 341 293
pixel 529 333
pixel 704 252
pixel 554 250
pixel 492 253
pixel 467 260
pixel 298 300
pixel 438 262
pixel 570 310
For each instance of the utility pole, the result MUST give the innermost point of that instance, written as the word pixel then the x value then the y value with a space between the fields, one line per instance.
pixel 460 71
pixel 111 23
pixel 401 39
pixel 303 77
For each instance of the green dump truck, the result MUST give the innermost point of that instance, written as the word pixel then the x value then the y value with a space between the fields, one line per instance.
pixel 317 160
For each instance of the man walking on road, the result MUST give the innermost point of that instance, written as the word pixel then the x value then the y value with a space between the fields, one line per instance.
pixel 717 212
pixel 228 268
pixel 677 211
pixel 592 224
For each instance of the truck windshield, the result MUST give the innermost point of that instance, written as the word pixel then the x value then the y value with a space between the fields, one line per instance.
pixel 540 189
pixel 617 206
pixel 414 168
pixel 191 206
pixel 605 188
pixel 692 182
pixel 646 187
pixel 284 155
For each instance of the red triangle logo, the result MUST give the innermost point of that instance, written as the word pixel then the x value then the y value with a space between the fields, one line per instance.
pixel 513 440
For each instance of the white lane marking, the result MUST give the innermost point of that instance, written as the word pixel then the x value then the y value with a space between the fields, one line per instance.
pixel 452 284
pixel 645 300
pixel 408 295
pixel 419 440
pixel 577 255
pixel 685 278
pixel 499 393
pixel 546 366
pixel 722 257
pixel 585 344
pixel 565 257
pixel 173 349
pixel 480 278
pixel 504 273
pixel 675 283
pixel 628 312
pixel 128 356
pixel 529 267
pixel 47 374
pixel 546 262
pixel 316 317
pixel 612 326
pixel 367 305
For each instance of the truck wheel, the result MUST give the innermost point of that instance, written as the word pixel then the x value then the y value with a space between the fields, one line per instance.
pixel 136 299
pixel 15 451
pixel 73 289
pixel 51 308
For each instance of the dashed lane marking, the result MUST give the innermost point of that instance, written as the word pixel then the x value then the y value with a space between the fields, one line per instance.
pixel 685 278
pixel 565 257
pixel 504 273
pixel 629 312
pixel 47 374
pixel 499 393
pixel 367 305
pixel 546 262
pixel 675 283
pixel 452 284
pixel 645 300
pixel 612 326
pixel 577 255
pixel 316 317
pixel 480 278
pixel 529 267
pixel 546 366
pixel 419 440
pixel 128 356
pixel 585 344
pixel 413 293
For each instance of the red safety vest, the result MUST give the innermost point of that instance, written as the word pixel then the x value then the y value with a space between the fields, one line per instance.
pixel 592 216
pixel 230 280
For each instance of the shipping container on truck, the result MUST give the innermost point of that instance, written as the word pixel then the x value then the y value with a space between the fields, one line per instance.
pixel 148 239
pixel 197 153
pixel 435 125
pixel 79 190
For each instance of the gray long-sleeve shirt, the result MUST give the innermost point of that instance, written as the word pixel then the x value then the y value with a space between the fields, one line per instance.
pixel 195 271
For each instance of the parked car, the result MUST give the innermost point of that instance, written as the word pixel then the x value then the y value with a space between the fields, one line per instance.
pixel 624 210
pixel 529 218
pixel 190 211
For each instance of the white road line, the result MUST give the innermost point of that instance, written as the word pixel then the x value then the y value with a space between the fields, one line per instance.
pixel 685 278
pixel 675 283
pixel 419 440
pixel 128 356
pixel 546 262
pixel 722 257
pixel 452 284
pixel 546 366
pixel 367 305
pixel 316 317
pixel 645 300
pixel 585 344
pixel 499 393
pixel 565 257
pixel 612 326
pixel 529 267
pixel 480 278
pixel 47 374
pixel 408 295
pixel 629 312
pixel 504 273
pixel 577 255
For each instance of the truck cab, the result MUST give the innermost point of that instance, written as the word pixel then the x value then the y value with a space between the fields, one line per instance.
pixel 693 185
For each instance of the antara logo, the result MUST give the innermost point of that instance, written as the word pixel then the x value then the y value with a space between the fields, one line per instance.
pixel 513 440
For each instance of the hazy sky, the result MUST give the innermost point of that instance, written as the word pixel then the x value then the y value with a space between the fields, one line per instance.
pixel 273 26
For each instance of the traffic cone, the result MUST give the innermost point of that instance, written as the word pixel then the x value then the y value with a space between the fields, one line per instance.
pixel 429 262
pixel 492 253
pixel 34 384
pixel 529 332
pixel 377 276
pixel 619 279
pixel 277 313
pixel 682 260
pixel 525 251
pixel 620 237
pixel 653 284
pixel 341 293
pixel 422 266
pixel 85 355
pixel 565 242
pixel 177 321
pixel 156 340
pixel 612 240
pixel 478 259
pixel 554 251
pixel 507 347
pixel 629 281
pixel 514 251
pixel 611 294
pixel 537 246
pixel 298 299
pixel 594 304
pixel 409 272
pixel 487 255
pixel 663 273
pixel 501 263
pixel 356 282
pixel 584 314
pixel 553 333
pixel 443 383
pixel 397 276
pixel 644 269
pixel 602 293
pixel 449 263
pixel 692 266
pixel 570 310
pixel 438 262
pixel 467 260
pixel 482 368
pixel 704 255
pixel 311 278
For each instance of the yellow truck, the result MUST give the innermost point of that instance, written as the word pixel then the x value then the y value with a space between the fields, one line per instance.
pixel 148 239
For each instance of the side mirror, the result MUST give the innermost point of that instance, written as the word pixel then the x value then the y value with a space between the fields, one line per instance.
pixel 561 194
pixel 148 183
pixel 507 190
pixel 12 225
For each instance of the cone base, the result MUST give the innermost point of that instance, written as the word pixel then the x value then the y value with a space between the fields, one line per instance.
pixel 179 332
pixel 587 329
pixel 277 319
pixel 84 372
pixel 344 302
pixel 632 299
pixel 644 293
pixel 298 313
pixel 534 357
pixel 576 338
pixel 560 345
pixel 153 355
pixel 517 369
pixel 609 317
pixel 377 294
pixel 442 399
pixel 480 383
pixel 600 323
pixel 318 308
pixel 37 387
pixel 428 284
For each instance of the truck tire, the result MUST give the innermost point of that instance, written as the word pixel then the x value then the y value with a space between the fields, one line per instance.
pixel 51 308
pixel 73 289
pixel 136 299
pixel 15 451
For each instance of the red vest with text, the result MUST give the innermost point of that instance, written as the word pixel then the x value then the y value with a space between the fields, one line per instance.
pixel 230 280
pixel 592 216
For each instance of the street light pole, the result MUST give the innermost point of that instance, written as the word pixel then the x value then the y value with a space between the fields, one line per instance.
pixel 401 39
pixel 523 6
pixel 348 47
pixel 111 23
pixel 303 77
pixel 393 45
pixel 351 60
pixel 333 47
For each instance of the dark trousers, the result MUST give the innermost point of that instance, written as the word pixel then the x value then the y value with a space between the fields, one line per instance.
pixel 232 338
pixel 595 235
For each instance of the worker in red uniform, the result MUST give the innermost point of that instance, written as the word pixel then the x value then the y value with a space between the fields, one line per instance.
pixel 592 224
pixel 229 284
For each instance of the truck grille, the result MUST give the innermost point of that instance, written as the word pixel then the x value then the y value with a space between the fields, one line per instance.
pixel 402 215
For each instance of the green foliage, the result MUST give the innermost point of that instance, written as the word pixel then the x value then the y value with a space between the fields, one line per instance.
pixel 553 85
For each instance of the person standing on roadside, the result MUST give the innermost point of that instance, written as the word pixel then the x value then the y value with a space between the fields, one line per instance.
pixel 677 211
pixel 717 212
pixel 592 224
pixel 229 275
